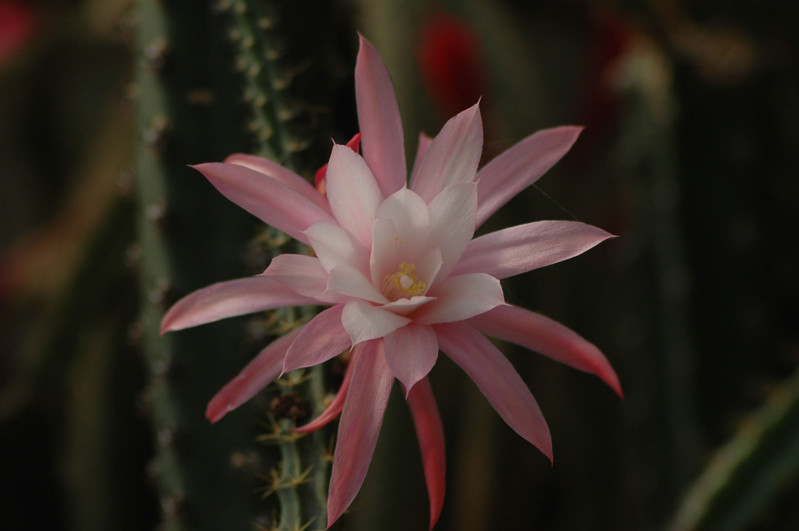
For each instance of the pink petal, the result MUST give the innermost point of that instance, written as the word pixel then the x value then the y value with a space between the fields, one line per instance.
pixel 453 155
pixel 520 166
pixel 364 321
pixel 321 339
pixel 421 148
pixel 430 433
pixel 279 173
pixel 228 299
pixel 333 410
pixel 497 380
pixel 461 297
pixel 353 193
pixel 266 198
pixel 379 120
pixel 550 338
pixel 301 274
pixel 411 352
pixel 359 427
pixel 452 223
pixel 526 247
pixel 401 233
pixel 264 368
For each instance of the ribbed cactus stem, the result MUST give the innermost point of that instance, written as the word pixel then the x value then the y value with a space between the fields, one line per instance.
pixel 745 473
pixel 265 83
pixel 187 238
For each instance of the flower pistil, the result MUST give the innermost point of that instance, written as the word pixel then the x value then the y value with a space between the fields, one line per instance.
pixel 403 283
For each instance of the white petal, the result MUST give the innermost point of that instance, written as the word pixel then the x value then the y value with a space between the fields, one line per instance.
pixel 429 266
pixel 408 211
pixel 346 280
pixel 334 245
pixel 461 297
pixel 353 193
pixel 406 306
pixel 364 321
pixel 384 259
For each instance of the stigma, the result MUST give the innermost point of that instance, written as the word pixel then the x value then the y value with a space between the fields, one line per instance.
pixel 403 283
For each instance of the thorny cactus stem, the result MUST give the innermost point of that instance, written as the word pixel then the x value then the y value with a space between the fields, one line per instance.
pixel 187 238
pixel 300 483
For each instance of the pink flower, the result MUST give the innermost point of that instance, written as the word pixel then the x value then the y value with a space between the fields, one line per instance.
pixel 401 277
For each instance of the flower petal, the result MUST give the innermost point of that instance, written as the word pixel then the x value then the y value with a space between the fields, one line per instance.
pixel 349 282
pixel 401 233
pixel 461 297
pixel 408 211
pixel 353 193
pixel 519 249
pixel 379 120
pixel 452 223
pixel 364 321
pixel 359 427
pixel 411 352
pixel 384 258
pixel 321 339
pixel 406 306
pixel 333 410
pixel 279 173
pixel 550 338
pixel 430 433
pixel 453 155
pixel 321 174
pixel 520 166
pixel 268 199
pixel 334 245
pixel 264 368
pixel 421 148
pixel 302 274
pixel 229 299
pixel 497 380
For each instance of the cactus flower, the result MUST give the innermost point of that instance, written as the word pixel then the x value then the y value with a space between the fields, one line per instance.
pixel 400 276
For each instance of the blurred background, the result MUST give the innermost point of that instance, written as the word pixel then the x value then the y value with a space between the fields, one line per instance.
pixel 690 155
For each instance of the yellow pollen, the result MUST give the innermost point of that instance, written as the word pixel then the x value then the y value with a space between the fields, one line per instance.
pixel 403 283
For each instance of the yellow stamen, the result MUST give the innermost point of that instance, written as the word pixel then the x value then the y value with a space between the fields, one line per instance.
pixel 403 283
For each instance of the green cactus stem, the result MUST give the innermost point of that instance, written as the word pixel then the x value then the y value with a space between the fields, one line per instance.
pixel 744 474
pixel 278 120
pixel 188 238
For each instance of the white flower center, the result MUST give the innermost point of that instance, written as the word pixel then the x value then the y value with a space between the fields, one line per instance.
pixel 403 283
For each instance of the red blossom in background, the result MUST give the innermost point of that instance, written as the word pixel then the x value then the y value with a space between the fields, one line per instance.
pixel 449 60
pixel 17 23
